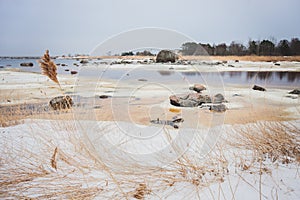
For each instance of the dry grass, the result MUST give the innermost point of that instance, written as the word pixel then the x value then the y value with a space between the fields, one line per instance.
pixel 59 164
pixel 56 163
pixel 11 115
pixel 277 141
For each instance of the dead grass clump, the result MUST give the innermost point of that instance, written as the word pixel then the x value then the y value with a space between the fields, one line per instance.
pixel 277 141
pixel 53 159
pixel 141 191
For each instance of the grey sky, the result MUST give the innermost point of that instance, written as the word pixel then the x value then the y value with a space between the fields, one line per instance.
pixel 28 27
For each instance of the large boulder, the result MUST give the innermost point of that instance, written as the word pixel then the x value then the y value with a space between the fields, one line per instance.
pixel 165 56
pixel 61 102
pixel 189 100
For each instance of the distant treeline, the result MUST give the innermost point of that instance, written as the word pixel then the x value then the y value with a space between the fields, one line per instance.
pixel 142 53
pixel 259 48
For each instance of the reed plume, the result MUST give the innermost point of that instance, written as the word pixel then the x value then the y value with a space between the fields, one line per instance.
pixel 49 68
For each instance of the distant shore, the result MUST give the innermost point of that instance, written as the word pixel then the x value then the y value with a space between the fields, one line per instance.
pixel 219 58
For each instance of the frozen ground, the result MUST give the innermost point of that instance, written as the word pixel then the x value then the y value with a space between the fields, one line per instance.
pixel 225 173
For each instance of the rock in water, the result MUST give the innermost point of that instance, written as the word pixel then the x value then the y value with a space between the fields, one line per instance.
pixel 295 91
pixel 218 108
pixel 83 61
pixel 259 88
pixel 198 88
pixel 30 64
pixel 189 100
pixel 103 96
pixel 61 102
pixel 165 56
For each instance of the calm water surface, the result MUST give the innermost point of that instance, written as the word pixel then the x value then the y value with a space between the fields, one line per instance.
pixel 276 79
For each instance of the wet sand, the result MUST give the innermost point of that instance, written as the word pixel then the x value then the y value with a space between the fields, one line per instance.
pixel 34 91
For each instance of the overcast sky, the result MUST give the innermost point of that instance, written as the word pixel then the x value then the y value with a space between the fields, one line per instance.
pixel 28 27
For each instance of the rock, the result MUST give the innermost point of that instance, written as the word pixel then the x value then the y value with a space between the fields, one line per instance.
pixel 1 67
pixel 30 64
pixel 237 95
pixel 74 72
pixel 218 108
pixel 142 79
pixel 178 120
pixel 173 123
pixel 277 64
pixel 64 65
pixel 174 100
pixel 218 98
pixel 84 61
pixel 126 62
pixel 183 62
pixel 165 56
pixel 259 88
pixel 295 91
pixel 291 96
pixel 61 102
pixel 198 88
pixel 103 96
pixel 236 61
pixel 67 70
pixel 230 65
pixel 188 103
pixel 190 100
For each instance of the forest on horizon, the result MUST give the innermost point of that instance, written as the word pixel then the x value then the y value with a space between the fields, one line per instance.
pixel 255 47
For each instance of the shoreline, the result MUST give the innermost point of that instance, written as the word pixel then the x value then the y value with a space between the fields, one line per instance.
pixel 244 104
pixel 182 57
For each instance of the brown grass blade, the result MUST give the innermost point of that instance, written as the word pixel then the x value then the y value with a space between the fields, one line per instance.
pixel 49 68
pixel 53 158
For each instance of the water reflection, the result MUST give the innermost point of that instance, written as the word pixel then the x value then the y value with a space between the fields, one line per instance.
pixel 166 73
pixel 289 76
pixel 233 74
pixel 293 76
pixel 273 78
pixel 191 73
pixel 281 75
